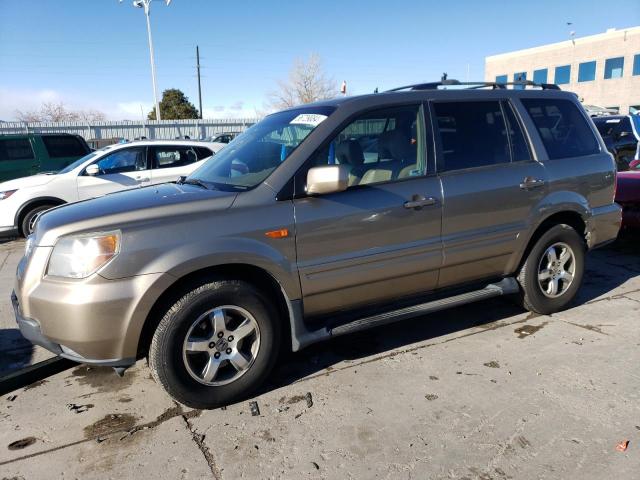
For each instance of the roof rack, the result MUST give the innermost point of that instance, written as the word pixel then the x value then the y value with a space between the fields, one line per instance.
pixel 474 85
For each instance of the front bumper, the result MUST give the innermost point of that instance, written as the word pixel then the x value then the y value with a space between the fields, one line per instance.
pixel 603 225
pixel 30 329
pixel 95 320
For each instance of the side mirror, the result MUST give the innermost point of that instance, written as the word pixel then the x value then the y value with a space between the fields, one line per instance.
pixel 92 170
pixel 327 179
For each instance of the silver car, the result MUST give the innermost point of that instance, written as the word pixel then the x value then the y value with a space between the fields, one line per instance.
pixel 319 221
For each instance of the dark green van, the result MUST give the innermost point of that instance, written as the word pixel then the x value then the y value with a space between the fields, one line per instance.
pixel 30 153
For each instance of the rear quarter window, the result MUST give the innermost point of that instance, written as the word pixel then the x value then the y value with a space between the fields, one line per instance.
pixel 63 146
pixel 563 129
pixel 203 153
pixel 15 149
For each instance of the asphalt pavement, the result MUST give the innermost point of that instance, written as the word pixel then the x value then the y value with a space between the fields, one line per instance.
pixel 484 391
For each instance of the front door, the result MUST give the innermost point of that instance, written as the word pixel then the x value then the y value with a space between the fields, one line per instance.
pixel 123 169
pixel 491 185
pixel 380 239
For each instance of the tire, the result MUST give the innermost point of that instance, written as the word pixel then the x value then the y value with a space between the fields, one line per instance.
pixel 26 224
pixel 538 273
pixel 181 367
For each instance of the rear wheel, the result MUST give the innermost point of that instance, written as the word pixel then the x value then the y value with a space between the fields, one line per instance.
pixel 552 273
pixel 29 219
pixel 216 344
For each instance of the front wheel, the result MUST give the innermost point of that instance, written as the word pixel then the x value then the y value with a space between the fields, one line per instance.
pixel 552 273
pixel 216 344
pixel 29 220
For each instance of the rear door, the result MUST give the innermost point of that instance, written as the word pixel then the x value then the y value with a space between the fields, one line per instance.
pixel 17 158
pixel 490 182
pixel 169 162
pixel 62 150
pixel 380 239
pixel 122 169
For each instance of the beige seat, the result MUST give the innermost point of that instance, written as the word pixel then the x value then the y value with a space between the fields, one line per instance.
pixel 376 175
pixel 406 171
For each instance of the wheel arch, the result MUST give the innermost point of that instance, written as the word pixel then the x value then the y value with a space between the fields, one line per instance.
pixel 33 203
pixel 572 217
pixel 254 275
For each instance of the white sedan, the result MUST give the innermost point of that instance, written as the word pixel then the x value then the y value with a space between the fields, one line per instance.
pixel 111 169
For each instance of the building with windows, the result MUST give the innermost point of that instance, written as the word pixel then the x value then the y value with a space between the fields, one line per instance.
pixel 601 69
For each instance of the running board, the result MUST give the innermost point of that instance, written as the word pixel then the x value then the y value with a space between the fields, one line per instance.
pixel 506 286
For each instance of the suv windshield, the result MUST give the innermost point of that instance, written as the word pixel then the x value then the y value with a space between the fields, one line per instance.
pixel 251 157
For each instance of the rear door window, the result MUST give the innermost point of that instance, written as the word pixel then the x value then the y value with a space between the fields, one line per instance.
pixel 63 146
pixel 563 129
pixel 16 149
pixel 471 134
pixel 169 157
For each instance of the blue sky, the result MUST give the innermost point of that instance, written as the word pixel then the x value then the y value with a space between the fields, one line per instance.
pixel 94 54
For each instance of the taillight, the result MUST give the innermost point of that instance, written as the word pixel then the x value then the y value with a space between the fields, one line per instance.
pixel 615 185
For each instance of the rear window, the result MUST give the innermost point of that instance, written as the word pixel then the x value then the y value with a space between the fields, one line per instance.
pixel 15 149
pixel 563 129
pixel 63 146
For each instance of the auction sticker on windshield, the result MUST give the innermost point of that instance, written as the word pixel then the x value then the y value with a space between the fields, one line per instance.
pixel 312 119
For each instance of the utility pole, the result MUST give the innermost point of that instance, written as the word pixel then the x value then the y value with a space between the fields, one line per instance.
pixel 199 86
pixel 146 5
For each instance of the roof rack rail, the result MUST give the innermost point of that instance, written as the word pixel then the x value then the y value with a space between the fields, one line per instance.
pixel 494 85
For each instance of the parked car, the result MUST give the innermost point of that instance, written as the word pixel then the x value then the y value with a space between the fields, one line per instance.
pixel 597 111
pixel 621 138
pixel 111 169
pixel 98 143
pixel 224 137
pixel 31 153
pixel 628 197
pixel 289 235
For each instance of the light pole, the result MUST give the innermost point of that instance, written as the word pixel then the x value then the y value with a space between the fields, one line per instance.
pixel 146 5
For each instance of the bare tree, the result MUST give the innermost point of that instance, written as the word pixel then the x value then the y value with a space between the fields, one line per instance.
pixel 57 112
pixel 307 82
pixel 28 115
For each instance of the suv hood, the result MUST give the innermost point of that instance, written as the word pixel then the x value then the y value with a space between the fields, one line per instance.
pixel 122 209
pixel 24 182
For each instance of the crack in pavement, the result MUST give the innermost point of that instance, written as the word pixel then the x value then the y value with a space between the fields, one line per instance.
pixel 168 415
pixel 199 441
pixel 4 261
pixel 591 328
pixel 616 296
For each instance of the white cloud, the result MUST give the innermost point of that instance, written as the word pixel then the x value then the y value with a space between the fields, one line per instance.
pixel 12 99
pixel 233 110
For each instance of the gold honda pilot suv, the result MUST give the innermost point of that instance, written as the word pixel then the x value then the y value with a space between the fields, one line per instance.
pixel 319 221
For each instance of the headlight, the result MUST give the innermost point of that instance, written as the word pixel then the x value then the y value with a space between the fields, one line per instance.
pixel 79 256
pixel 28 246
pixel 7 194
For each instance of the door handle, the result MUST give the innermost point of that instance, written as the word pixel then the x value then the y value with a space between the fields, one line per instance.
pixel 530 182
pixel 142 179
pixel 419 201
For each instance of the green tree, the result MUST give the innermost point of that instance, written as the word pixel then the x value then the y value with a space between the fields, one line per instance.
pixel 174 106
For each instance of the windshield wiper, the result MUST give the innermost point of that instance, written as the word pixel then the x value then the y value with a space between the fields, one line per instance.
pixel 192 181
